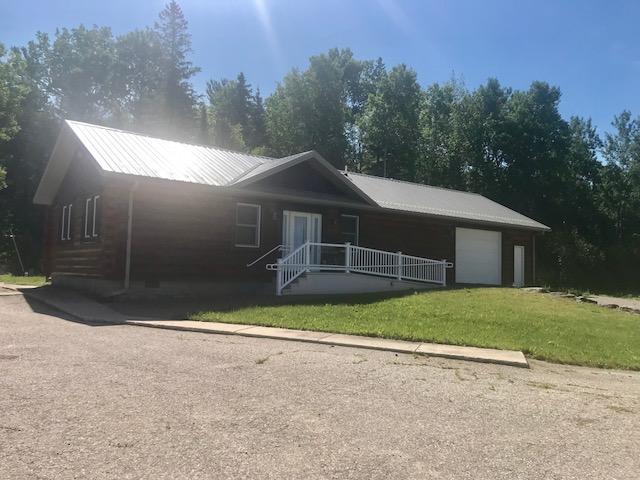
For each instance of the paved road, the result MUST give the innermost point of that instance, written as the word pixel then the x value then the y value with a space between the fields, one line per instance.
pixel 80 401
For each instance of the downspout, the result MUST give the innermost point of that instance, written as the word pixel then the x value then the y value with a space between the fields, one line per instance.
pixel 127 265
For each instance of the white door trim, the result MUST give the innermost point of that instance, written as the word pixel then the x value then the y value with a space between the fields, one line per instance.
pixel 518 265
pixel 314 227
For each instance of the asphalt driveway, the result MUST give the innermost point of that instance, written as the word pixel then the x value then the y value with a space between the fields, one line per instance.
pixel 82 401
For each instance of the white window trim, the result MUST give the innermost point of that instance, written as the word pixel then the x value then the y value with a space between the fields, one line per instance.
pixel 90 212
pixel 65 233
pixel 256 225
pixel 87 204
pixel 357 217
pixel 63 223
pixel 95 202
pixel 69 221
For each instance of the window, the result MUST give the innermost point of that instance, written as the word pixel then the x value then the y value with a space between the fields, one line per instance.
pixel 247 225
pixel 91 222
pixel 65 222
pixel 349 228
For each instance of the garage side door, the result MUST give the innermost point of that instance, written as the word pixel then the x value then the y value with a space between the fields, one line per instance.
pixel 478 256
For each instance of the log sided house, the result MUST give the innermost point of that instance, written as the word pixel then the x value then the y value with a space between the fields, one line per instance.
pixel 128 213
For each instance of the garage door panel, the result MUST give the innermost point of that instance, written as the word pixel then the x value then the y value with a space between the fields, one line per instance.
pixel 478 256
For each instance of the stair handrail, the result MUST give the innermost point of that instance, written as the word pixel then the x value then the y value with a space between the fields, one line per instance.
pixel 277 247
pixel 283 280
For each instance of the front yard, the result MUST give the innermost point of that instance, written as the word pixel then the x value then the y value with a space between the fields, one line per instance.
pixel 542 326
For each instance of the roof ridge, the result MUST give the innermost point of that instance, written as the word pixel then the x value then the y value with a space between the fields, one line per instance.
pixel 130 132
pixel 423 185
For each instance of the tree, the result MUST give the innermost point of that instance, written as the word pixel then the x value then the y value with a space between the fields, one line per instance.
pixel 310 110
pixel 231 107
pixel 620 194
pixel 237 114
pixel 257 136
pixel 442 159
pixel 81 63
pixel 12 91
pixel 390 126
pixel 138 81
pixel 177 97
pixel 25 153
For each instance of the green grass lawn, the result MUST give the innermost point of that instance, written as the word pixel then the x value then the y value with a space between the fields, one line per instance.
pixel 21 280
pixel 542 326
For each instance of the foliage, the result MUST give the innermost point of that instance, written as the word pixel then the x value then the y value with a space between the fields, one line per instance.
pixel 542 326
pixel 390 125
pixel 310 110
pixel 177 96
pixel 237 115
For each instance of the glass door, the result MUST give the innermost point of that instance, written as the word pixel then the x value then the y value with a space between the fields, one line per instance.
pixel 299 228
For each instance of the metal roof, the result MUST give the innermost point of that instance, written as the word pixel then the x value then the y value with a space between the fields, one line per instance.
pixel 425 199
pixel 130 153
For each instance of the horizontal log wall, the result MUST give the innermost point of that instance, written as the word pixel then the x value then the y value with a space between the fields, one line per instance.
pixel 187 232
pixel 77 256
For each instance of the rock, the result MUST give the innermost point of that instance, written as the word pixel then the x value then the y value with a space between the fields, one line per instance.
pixel 535 289
pixel 630 309
pixel 586 300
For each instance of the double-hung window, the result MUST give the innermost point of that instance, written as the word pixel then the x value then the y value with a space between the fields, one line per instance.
pixel 91 220
pixel 247 225
pixel 65 222
pixel 349 228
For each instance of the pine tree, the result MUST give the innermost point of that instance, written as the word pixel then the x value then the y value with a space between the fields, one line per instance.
pixel 178 96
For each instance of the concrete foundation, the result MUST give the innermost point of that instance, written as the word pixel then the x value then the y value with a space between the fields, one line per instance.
pixel 327 283
pixel 163 288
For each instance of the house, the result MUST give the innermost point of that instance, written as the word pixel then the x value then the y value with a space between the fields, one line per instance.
pixel 132 213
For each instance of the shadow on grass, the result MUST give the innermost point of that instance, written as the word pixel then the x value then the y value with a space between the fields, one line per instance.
pixel 238 303
pixel 183 308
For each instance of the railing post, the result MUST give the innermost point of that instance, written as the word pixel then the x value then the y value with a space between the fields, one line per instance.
pixel 307 252
pixel 347 257
pixel 444 272
pixel 279 274
pixel 399 265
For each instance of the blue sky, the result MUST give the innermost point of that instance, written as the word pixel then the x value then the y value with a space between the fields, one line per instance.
pixel 590 49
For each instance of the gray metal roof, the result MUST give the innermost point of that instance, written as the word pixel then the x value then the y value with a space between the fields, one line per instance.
pixel 417 198
pixel 129 153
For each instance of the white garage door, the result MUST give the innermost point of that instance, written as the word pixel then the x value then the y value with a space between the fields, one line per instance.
pixel 478 256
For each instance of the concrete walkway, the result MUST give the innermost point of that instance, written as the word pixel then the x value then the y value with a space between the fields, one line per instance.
pixel 12 289
pixel 89 310
pixel 485 355
pixel 75 304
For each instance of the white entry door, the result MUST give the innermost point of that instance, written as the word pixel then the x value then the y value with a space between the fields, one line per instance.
pixel 299 228
pixel 518 265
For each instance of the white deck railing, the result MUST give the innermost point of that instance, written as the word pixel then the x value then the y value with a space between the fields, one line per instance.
pixel 344 257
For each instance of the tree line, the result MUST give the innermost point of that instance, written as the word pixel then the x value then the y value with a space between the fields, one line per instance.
pixel 511 145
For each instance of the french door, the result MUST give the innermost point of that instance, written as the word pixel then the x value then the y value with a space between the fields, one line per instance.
pixel 299 228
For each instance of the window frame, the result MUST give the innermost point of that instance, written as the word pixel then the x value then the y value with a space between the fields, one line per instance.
pixel 357 232
pixel 257 225
pixel 65 222
pixel 90 213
